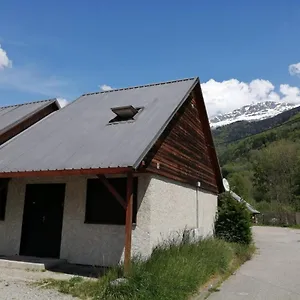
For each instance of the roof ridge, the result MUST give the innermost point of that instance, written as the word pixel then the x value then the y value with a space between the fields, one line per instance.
pixel 141 86
pixel 32 102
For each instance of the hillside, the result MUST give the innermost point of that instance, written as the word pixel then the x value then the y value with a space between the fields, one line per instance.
pixel 261 160
pixel 240 148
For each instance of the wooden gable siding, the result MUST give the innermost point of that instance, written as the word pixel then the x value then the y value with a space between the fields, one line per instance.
pixel 182 153
pixel 21 126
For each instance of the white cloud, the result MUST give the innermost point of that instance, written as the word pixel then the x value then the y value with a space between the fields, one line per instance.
pixel 5 62
pixel 105 87
pixel 29 79
pixel 294 69
pixel 291 94
pixel 62 102
pixel 225 96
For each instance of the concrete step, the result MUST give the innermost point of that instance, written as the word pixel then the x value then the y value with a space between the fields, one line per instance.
pixel 29 262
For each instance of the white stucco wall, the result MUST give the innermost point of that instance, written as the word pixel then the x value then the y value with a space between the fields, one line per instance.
pixel 10 228
pixel 207 208
pixel 81 243
pixel 176 207
pixel 164 207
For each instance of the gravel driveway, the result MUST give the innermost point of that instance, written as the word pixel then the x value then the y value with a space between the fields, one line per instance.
pixel 17 285
pixel 272 274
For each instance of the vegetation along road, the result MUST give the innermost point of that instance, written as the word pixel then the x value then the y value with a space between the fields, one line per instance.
pixel 274 271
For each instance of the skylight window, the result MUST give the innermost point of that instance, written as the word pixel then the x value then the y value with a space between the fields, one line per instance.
pixel 124 113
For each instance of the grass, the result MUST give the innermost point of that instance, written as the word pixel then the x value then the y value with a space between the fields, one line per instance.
pixel 295 226
pixel 172 272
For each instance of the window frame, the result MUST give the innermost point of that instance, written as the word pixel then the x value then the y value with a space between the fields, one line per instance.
pixel 117 120
pixel 3 197
pixel 89 219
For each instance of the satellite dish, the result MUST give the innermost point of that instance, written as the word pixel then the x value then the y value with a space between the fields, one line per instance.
pixel 226 185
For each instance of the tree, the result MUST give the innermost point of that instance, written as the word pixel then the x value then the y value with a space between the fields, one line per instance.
pixel 276 169
pixel 240 183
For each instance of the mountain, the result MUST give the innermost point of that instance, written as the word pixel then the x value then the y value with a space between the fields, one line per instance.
pixel 251 112
pixel 238 130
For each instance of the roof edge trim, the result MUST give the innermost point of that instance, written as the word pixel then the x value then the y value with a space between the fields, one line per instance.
pixel 32 102
pixel 141 86
pixel 66 172
pixel 24 118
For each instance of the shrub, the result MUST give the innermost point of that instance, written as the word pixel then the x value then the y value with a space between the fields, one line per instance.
pixel 233 221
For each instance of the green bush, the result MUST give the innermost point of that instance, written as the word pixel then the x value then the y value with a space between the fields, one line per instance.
pixel 233 221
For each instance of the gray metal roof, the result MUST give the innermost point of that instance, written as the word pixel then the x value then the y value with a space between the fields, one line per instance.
pixel 14 114
pixel 79 136
pixel 240 199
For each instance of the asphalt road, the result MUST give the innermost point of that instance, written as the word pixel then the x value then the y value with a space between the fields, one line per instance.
pixel 272 274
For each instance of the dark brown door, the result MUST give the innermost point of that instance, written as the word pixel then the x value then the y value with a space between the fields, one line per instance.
pixel 42 220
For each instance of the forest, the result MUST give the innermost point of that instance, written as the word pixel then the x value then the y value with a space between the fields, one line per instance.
pixel 264 166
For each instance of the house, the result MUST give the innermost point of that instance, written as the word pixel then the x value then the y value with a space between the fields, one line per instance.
pixel 253 212
pixel 111 175
pixel 249 207
pixel 16 118
pixel 236 197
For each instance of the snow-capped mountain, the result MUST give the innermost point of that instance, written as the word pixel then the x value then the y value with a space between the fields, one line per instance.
pixel 251 112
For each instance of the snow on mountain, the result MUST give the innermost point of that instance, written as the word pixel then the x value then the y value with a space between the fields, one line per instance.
pixel 251 112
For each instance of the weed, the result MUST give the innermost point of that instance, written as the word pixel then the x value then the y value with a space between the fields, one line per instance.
pixel 173 271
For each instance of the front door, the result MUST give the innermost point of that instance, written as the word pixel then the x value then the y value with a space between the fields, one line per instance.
pixel 42 220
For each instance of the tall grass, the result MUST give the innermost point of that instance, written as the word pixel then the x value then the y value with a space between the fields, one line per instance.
pixel 173 271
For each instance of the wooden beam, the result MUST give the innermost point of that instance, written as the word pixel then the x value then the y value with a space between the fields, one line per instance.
pixel 67 172
pixel 128 224
pixel 112 190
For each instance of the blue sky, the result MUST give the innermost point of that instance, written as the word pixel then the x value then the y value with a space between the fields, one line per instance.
pixel 66 48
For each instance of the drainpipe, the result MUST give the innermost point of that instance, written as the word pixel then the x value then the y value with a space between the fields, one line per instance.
pixel 197 209
pixel 197 203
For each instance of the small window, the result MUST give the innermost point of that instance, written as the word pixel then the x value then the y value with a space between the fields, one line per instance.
pixel 3 197
pixel 124 113
pixel 102 207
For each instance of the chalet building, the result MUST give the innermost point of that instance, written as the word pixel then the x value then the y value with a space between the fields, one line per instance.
pixel 110 175
pixel 16 118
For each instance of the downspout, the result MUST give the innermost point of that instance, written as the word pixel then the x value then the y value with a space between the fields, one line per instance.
pixel 197 203
pixel 197 208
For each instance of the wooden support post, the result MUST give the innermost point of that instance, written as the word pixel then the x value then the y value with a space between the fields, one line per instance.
pixel 112 190
pixel 128 225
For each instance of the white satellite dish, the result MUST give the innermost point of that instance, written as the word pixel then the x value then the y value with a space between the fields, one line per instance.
pixel 226 185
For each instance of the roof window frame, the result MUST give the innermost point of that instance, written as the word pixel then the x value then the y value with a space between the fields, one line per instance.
pixel 118 120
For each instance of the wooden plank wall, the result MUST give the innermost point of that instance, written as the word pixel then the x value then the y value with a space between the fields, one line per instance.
pixel 182 152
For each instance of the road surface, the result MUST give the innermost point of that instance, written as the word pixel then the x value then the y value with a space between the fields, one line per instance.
pixel 272 274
